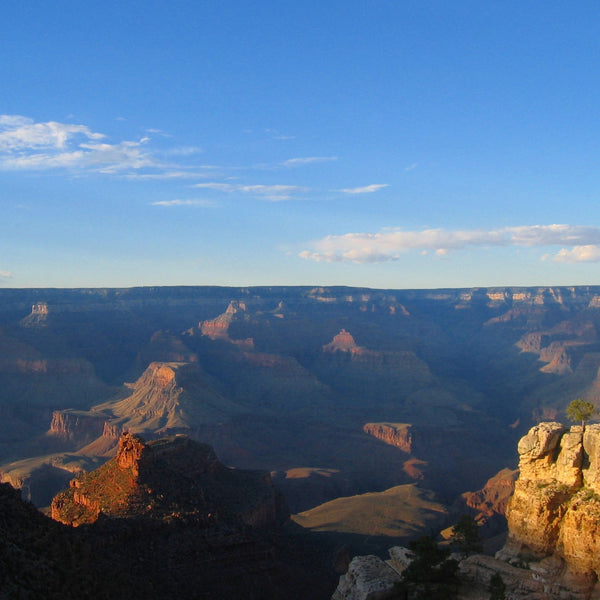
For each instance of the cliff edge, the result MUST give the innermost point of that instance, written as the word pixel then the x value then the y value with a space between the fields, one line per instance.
pixel 554 514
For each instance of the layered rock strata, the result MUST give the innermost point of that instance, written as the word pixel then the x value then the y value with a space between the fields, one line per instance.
pixel 555 510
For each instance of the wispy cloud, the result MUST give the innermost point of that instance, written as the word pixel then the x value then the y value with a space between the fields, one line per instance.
pixel 181 202
pixel 273 193
pixel 171 175
pixel 25 144
pixel 367 189
pixel 277 135
pixel 185 151
pixel 6 275
pixel 583 243
pixel 307 160
pixel 19 133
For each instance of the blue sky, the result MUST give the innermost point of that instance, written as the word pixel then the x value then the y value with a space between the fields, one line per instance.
pixel 389 144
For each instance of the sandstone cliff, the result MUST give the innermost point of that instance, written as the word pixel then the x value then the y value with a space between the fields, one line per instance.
pixel 555 510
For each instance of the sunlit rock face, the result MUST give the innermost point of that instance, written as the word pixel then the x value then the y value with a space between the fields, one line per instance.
pixel 555 510
pixel 170 478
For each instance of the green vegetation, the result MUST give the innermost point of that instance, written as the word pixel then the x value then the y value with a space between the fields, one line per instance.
pixel 580 410
pixel 465 536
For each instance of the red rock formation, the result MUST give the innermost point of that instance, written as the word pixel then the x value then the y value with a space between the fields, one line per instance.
pixel 394 434
pixel 218 328
pixel 169 478
pixel 75 424
pixel 343 342
pixel 493 498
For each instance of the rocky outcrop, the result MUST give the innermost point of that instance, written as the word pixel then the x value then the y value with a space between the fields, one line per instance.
pixel 553 546
pixel 38 316
pixel 554 514
pixel 168 478
pixel 368 578
pixel 394 434
pixel 342 342
pixel 218 328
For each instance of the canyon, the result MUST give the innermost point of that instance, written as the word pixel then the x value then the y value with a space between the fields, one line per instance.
pixel 336 392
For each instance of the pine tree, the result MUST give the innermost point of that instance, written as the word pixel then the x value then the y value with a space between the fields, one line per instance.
pixel 465 536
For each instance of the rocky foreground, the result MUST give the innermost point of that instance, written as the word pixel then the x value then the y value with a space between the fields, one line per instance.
pixel 161 520
pixel 553 546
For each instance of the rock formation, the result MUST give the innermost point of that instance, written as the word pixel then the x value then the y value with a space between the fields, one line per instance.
pixel 553 546
pixel 394 434
pixel 218 328
pixel 561 346
pixel 38 316
pixel 368 578
pixel 167 398
pixel 171 477
pixel 342 342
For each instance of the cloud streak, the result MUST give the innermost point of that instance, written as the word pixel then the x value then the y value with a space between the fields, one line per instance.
pixel 307 160
pixel 181 202
pixel 6 275
pixel 367 189
pixel 580 243
pixel 273 193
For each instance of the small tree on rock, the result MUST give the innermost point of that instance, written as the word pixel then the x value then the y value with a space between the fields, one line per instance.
pixel 431 575
pixel 580 410
pixel 465 536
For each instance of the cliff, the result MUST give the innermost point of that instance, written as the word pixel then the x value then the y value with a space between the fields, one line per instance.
pixel 553 546
pixel 394 434
pixel 555 510
pixel 171 477
pixel 218 328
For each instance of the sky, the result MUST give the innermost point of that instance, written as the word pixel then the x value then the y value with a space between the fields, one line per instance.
pixel 374 143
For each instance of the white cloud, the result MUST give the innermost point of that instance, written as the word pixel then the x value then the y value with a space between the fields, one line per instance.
pixel 367 189
pixel 587 253
pixel 307 160
pixel 18 133
pixel 6 274
pixel 179 202
pixel 273 193
pixel 25 144
pixel 390 244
